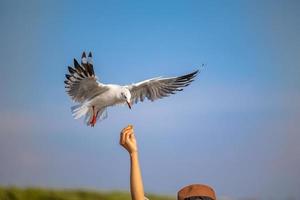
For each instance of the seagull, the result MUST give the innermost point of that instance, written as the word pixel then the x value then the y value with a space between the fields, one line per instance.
pixel 93 97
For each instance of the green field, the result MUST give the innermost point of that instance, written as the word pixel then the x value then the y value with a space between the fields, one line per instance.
pixel 13 193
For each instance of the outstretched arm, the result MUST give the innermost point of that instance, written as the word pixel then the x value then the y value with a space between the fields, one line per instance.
pixel 128 141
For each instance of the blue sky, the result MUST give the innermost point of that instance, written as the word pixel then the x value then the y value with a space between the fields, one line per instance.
pixel 235 128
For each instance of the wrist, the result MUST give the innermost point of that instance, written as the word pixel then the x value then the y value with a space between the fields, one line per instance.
pixel 133 154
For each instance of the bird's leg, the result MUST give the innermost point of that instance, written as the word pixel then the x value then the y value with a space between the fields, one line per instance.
pixel 93 121
pixel 97 114
pixel 94 118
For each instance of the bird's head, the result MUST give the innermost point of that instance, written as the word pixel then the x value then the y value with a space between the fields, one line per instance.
pixel 126 96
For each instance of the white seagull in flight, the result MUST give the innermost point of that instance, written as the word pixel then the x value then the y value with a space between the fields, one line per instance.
pixel 94 97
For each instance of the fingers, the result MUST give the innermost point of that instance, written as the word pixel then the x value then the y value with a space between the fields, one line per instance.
pixel 127 127
pixel 125 133
pixel 131 135
pixel 127 139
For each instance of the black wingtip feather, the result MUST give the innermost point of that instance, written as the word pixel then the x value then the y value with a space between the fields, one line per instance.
pixel 76 64
pixel 83 55
pixel 71 70
pixel 92 70
pixel 68 76
pixel 79 68
pixel 187 77
pixel 89 67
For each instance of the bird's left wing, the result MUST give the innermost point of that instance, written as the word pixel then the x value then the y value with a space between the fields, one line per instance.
pixel 81 82
pixel 157 88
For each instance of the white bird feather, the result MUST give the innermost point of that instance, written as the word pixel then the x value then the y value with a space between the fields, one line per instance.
pixel 94 97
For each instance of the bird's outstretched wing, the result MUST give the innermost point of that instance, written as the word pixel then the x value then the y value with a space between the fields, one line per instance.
pixel 157 88
pixel 81 83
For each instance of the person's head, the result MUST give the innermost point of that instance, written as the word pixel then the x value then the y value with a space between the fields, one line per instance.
pixel 196 192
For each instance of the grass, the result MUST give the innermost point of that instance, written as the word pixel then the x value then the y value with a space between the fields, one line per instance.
pixel 14 193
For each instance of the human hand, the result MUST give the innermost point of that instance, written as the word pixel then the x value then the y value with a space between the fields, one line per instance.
pixel 127 139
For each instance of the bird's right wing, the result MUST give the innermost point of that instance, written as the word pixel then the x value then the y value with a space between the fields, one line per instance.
pixel 81 83
pixel 157 88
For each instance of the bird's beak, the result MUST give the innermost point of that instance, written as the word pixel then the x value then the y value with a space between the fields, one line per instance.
pixel 128 104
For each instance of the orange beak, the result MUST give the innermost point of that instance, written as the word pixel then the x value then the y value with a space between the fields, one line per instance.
pixel 128 104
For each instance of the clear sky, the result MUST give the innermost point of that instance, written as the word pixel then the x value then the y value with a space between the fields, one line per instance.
pixel 235 128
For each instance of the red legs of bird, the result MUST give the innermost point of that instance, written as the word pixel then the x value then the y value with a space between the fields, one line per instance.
pixel 94 117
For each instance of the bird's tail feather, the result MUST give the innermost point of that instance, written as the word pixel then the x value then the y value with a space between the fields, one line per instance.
pixel 79 110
